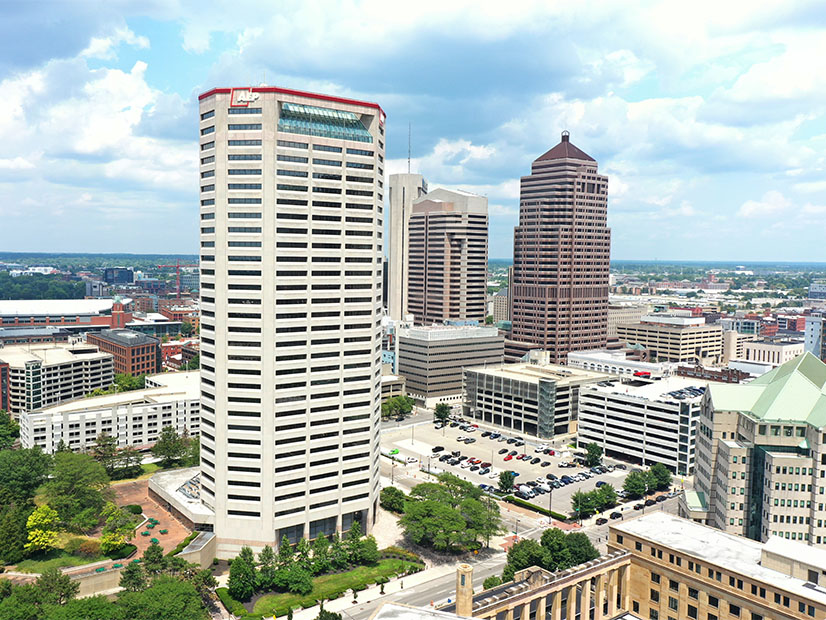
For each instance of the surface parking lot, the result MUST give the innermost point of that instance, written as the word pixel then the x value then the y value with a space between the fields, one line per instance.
pixel 417 441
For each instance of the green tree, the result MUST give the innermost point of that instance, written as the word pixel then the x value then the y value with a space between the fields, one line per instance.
pixel 593 454
pixel 506 480
pixel 580 548
pixel 557 555
pixel 302 553
pixel 635 484
pixel 442 412
pixel 294 578
pixel 153 560
pixel 92 608
pixel 21 473
pixel 205 583
pixel 522 555
pixel 392 499
pixel 327 615
pixel 42 529
pixel 369 552
pixel 606 497
pixel 13 532
pixel 660 476
pixel 194 363
pixel 127 463
pixel 168 597
pixel 266 568
pixel 170 447
pixel 321 555
pixel 9 430
pixel 105 452
pixel 24 603
pixel 582 503
pixel 338 552
pixel 489 320
pixel 433 524
pixel 285 553
pixel 57 588
pixel 491 582
pixel 132 578
pixel 352 542
pixel 241 579
pixel 482 519
pixel 78 483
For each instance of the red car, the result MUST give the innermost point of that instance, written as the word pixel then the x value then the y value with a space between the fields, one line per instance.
pixel 485 464
pixel 523 456
pixel 508 457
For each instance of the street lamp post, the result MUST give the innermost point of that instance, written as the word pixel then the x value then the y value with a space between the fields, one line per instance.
pixel 516 531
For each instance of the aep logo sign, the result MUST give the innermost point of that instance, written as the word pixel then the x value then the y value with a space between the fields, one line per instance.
pixel 242 97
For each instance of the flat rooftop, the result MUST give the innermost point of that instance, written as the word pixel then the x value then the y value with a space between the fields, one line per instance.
pixel 447 332
pixel 532 373
pixel 398 611
pixel 727 551
pixel 50 353
pixel 666 388
pixel 126 337
pixel 177 386
pixel 171 481
pixel 56 307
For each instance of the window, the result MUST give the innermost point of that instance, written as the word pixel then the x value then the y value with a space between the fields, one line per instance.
pixel 655 578
pixel 638 546
pixel 734 610
pixel 244 111
pixel 653 614
pixel 692 612
pixel 673 603
pixel 655 595
pixel 713 601
pixel 673 585
pixel 693 593
pixel 244 126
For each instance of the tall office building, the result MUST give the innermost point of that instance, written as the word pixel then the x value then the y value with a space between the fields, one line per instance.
pixel 447 270
pixel 291 242
pixel 404 189
pixel 561 254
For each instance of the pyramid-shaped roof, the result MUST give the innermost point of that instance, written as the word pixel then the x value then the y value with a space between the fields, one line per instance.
pixel 565 150
pixel 792 392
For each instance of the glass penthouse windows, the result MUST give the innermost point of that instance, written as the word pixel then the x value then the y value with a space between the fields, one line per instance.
pixel 322 122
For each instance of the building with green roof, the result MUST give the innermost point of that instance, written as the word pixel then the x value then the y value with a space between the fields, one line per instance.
pixel 761 455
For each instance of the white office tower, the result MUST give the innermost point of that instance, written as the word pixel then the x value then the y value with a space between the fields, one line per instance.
pixel 403 190
pixel 291 246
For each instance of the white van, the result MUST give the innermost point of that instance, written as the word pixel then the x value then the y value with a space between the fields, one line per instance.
pixel 527 490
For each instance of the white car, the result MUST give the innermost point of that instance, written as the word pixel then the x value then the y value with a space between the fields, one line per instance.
pixel 541 448
pixel 471 429
pixel 493 475
pixel 461 438
pixel 411 459
pixel 466 464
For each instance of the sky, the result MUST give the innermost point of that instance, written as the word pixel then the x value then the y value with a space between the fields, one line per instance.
pixel 708 117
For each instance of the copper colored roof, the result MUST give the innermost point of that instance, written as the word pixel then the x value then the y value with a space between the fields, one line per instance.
pixel 565 150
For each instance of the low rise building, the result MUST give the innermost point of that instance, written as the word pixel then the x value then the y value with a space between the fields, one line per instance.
pixel 133 418
pixel 761 455
pixel 624 313
pixel 42 375
pixel 675 339
pixel 32 335
pixel 134 353
pixel 76 315
pixel 646 422
pixel 536 399
pixel 734 345
pixel 432 359
pixel 392 386
pixel 817 289
pixel 775 352
pixel 617 362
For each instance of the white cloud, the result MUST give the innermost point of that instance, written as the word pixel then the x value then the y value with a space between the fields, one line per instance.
pixel 104 47
pixel 771 204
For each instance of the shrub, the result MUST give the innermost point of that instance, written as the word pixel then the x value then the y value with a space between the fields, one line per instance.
pixel 400 554
pixel 308 604
pixel 381 580
pixel 73 545
pixel 548 513
pixel 123 552
pixel 234 607
pixel 135 509
pixel 89 548
pixel 491 582
pixel 183 544
pixel 215 561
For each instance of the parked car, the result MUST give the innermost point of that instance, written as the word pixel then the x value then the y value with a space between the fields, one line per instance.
pixel 661 498
pixel 471 429
pixel 485 464
pixel 475 468
pixel 616 515
pixel 541 448
pixel 460 438
pixel 545 463
pixel 466 464
pixel 495 435
pixel 509 457
pixel 638 506
pixel 437 449
pixel 531 483
pixel 501 438
pixel 456 453
pixel 454 461
pixel 621 466
pixel 513 453
pixel 484 471
pixel 602 521
pixel 438 426
pixel 534 460
pixel 503 451
pixel 511 440
pixel 521 495
pixel 650 502
pixel 524 456
pixel 601 483
pixel 411 459
pixel 470 440
pixel 486 434
pixel 519 442
pixel 551 476
pixel 454 424
pixel 462 457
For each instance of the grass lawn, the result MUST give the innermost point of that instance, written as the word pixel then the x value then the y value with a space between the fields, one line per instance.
pixel 326 585
pixel 147 470
pixel 56 558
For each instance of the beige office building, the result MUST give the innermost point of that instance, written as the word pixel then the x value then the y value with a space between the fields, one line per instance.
pixel 534 398
pixel 42 375
pixel 291 276
pixel 432 359
pixel 625 314
pixel 403 189
pixel 133 418
pixel 774 352
pixel 761 455
pixel 734 345
pixel 448 258
pixel 675 339
pixel 501 306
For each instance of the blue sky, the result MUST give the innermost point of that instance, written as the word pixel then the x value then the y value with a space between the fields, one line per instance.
pixel 708 117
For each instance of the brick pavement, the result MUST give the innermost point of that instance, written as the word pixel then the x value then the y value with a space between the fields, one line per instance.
pixel 137 492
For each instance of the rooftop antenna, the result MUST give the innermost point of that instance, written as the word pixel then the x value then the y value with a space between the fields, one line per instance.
pixel 409 134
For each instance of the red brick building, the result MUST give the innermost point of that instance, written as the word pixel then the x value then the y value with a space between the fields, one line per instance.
pixel 134 353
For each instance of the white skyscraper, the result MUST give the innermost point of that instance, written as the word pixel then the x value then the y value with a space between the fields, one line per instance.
pixel 404 189
pixel 291 246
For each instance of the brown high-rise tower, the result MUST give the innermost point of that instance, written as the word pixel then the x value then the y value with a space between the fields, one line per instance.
pixel 561 256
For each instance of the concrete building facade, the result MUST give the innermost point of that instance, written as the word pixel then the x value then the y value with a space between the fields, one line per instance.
pixel 134 418
pixel 774 352
pixel 562 247
pixel 675 339
pixel 291 246
pixel 627 314
pixel 447 258
pixel 761 455
pixel 540 400
pixel 501 306
pixel 813 340
pixel 42 375
pixel 646 422
pixel 432 359
pixel 403 189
